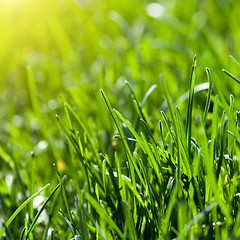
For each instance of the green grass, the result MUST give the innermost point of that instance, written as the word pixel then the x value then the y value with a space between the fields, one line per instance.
pixel 139 144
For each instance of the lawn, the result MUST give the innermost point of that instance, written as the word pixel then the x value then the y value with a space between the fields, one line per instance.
pixel 119 119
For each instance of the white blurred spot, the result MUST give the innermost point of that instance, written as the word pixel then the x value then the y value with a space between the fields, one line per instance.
pixel 37 201
pixel 16 121
pixel 9 181
pixel 52 104
pixel 34 124
pixel 155 10
pixel 42 145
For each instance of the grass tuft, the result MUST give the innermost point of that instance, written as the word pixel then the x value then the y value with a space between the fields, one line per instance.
pixel 154 155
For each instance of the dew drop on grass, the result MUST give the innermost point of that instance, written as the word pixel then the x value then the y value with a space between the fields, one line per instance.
pixel 155 10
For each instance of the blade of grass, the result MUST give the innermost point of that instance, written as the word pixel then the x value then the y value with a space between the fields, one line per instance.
pixel 235 60
pixel 32 183
pixel 208 190
pixel 68 117
pixel 137 104
pixel 175 137
pixel 149 133
pixel 148 93
pixel 144 147
pixel 190 105
pixel 162 133
pixel 116 189
pixel 22 236
pixel 104 174
pixel 231 126
pixel 103 214
pixel 231 76
pixel 197 88
pixel 50 215
pixel 131 227
pixel 41 210
pixel 211 178
pixel 183 146
pixel 169 209
pixel 95 223
pixel 223 139
pixel 82 128
pixel 199 217
pixel 75 141
pixel 69 223
pixel 20 209
pixel 167 96
pixel 207 105
pixel 62 181
pixel 124 141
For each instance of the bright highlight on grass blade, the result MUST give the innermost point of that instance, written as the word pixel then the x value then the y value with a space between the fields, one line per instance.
pixel 190 104
pixel 207 105
pixel 230 75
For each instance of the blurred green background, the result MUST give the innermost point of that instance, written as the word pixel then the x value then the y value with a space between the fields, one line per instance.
pixel 68 43
pixel 78 47
pixel 75 48
pixel 65 42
